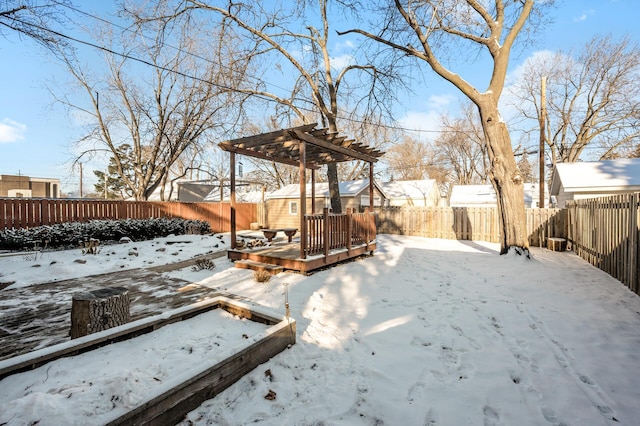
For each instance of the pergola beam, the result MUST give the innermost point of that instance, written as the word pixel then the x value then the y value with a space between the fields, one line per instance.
pixel 355 155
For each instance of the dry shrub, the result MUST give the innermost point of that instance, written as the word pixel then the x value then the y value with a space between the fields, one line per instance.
pixel 202 264
pixel 261 276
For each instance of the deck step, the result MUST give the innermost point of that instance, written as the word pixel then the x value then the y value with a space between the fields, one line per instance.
pixel 259 266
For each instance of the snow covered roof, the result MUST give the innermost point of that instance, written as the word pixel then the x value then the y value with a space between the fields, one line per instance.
pixel 466 195
pixel 413 189
pixel 348 188
pixel 597 176
pixel 241 197
pixel 472 194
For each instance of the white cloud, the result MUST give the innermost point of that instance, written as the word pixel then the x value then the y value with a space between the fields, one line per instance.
pixel 344 45
pixel 427 121
pixel 342 61
pixel 11 131
pixel 584 16
pixel 539 57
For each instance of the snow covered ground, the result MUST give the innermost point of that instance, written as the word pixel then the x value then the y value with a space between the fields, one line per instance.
pixel 426 332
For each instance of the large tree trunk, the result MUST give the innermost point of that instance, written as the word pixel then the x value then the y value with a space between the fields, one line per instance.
pixel 505 177
pixel 334 188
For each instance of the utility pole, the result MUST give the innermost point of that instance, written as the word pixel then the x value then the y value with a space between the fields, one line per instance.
pixel 543 121
pixel 80 180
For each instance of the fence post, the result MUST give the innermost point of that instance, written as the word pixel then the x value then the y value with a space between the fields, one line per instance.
pixel 632 259
pixel 326 233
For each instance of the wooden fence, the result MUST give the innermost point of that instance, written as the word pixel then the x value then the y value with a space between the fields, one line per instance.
pixel 467 223
pixel 604 232
pixel 30 212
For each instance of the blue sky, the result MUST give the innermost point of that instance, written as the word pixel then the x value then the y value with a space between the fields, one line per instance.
pixel 36 135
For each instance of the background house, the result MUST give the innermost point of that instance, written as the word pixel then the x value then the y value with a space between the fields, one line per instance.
pixel 423 193
pixel 590 179
pixel 485 196
pixel 29 187
pixel 283 208
pixel 193 191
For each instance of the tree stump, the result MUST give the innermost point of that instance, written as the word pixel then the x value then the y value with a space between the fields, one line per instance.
pixel 556 244
pixel 99 310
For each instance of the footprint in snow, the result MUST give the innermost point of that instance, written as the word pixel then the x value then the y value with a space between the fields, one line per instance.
pixel 491 416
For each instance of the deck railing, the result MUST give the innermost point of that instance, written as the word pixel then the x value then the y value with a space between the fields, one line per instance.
pixel 329 231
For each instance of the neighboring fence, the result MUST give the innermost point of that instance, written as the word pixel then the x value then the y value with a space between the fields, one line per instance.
pixel 604 232
pixel 467 223
pixel 30 212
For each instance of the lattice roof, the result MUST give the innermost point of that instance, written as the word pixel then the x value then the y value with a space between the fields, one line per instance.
pixel 283 146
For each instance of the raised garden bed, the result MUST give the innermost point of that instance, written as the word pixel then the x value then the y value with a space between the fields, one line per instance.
pixel 152 370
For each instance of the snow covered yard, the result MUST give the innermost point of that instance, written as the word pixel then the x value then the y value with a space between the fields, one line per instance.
pixel 436 332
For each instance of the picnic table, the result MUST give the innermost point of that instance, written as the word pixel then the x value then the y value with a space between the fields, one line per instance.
pixel 269 234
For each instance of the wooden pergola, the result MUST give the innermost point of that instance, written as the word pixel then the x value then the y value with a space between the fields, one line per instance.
pixel 305 147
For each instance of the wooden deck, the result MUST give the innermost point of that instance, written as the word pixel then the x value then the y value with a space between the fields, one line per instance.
pixel 287 255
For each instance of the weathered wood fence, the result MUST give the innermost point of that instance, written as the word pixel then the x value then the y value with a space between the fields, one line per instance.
pixel 30 212
pixel 604 232
pixel 467 223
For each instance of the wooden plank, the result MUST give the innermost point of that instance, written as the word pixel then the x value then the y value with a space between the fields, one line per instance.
pixel 171 407
pixel 40 357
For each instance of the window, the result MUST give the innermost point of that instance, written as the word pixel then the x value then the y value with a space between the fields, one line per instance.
pixel 293 207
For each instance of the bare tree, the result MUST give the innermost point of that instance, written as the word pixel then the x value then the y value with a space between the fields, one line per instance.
pixel 34 19
pixel 593 99
pixel 321 89
pixel 162 109
pixel 428 31
pixel 462 149
pixel 409 159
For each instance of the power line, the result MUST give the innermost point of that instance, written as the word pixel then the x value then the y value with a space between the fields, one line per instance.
pixel 268 99
pixel 225 87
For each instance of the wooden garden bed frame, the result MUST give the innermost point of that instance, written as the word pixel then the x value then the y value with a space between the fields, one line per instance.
pixel 170 406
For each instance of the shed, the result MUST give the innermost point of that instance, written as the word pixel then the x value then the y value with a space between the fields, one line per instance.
pixel 485 196
pixel 591 179
pixel 423 193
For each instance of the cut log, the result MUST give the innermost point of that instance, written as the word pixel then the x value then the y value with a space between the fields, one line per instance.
pixel 556 244
pixel 99 310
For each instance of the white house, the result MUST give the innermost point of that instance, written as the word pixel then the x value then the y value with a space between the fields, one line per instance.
pixel 424 193
pixel 485 196
pixel 591 179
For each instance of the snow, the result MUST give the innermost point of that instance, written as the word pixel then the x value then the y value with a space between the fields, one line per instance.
pixel 426 331
pixel 347 188
pixel 47 266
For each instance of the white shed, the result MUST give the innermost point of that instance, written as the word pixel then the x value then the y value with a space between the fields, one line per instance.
pixel 485 196
pixel 423 193
pixel 591 179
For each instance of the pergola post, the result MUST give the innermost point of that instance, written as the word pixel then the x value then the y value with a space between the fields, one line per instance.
pixel 371 186
pixel 313 191
pixel 232 219
pixel 302 210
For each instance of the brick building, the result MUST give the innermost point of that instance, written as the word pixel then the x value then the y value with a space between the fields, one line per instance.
pixel 29 187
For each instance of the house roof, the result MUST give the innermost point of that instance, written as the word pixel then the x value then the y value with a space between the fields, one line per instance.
pixel 412 189
pixel 348 188
pixel 321 147
pixel 241 197
pixel 597 176
pixel 485 194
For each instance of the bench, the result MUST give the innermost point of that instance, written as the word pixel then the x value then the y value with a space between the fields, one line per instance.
pixel 269 234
